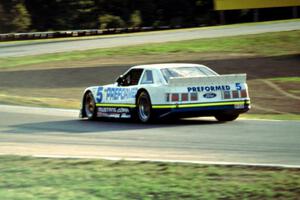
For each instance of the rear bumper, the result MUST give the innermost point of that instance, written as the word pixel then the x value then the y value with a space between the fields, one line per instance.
pixel 209 109
pixel 187 110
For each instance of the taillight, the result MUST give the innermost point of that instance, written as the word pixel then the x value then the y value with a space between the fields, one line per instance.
pixel 184 97
pixel 227 95
pixel 235 94
pixel 175 97
pixel 180 97
pixel 194 96
pixel 244 94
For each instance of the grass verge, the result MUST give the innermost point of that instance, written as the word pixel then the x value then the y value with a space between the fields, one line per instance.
pixel 43 178
pixel 295 79
pixel 271 116
pixel 267 44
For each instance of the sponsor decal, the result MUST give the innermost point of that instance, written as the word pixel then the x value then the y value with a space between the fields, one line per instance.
pixel 99 95
pixel 113 112
pixel 210 95
pixel 239 106
pixel 125 115
pixel 117 93
pixel 209 88
pixel 120 93
pixel 238 86
pixel 113 115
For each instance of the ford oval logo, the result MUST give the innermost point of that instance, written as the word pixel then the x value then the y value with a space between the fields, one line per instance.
pixel 210 95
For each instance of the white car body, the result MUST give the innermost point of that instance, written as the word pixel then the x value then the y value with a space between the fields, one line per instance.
pixel 206 95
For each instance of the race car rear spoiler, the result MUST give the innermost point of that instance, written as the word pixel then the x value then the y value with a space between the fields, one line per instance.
pixel 208 80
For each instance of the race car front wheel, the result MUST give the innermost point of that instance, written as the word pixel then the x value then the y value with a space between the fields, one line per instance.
pixel 144 107
pixel 224 117
pixel 90 106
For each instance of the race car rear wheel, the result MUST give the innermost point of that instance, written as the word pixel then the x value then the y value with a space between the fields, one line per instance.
pixel 90 106
pixel 224 117
pixel 144 107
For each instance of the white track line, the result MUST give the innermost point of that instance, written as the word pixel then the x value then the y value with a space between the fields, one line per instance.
pixel 39 110
pixel 158 160
pixel 172 161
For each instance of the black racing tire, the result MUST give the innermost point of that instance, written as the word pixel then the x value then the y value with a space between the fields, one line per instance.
pixel 225 117
pixel 89 106
pixel 144 108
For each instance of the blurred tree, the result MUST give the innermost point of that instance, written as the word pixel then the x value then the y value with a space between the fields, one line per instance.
pixel 147 10
pixel 135 19
pixel 14 16
pixel 84 14
pixel 42 15
pixel 111 21
pixel 20 18
pixel 205 14
pixel 119 8
pixel 63 14
pixel 2 19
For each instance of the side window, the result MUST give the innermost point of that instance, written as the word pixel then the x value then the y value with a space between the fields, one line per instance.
pixel 147 78
pixel 132 77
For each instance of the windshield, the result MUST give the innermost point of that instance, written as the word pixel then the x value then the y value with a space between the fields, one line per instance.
pixel 186 72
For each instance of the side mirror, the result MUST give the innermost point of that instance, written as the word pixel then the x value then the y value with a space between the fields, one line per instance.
pixel 120 80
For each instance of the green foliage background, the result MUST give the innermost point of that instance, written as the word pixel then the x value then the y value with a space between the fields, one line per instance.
pixel 41 15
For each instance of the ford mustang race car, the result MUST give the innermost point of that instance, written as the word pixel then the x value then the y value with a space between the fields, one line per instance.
pixel 148 92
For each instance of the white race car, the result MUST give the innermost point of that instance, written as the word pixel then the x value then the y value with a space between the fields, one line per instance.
pixel 148 92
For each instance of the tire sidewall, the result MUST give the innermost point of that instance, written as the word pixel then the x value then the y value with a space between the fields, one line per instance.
pixel 144 94
pixel 93 116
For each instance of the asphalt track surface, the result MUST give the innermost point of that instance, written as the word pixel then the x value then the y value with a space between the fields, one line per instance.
pixel 54 132
pixel 41 47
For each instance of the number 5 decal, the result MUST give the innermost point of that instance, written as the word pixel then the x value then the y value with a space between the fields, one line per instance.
pixel 238 86
pixel 99 94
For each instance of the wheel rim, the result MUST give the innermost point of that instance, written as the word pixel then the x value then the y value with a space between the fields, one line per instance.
pixel 89 106
pixel 144 109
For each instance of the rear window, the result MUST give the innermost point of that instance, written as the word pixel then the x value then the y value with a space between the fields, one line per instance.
pixel 186 72
pixel 147 78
